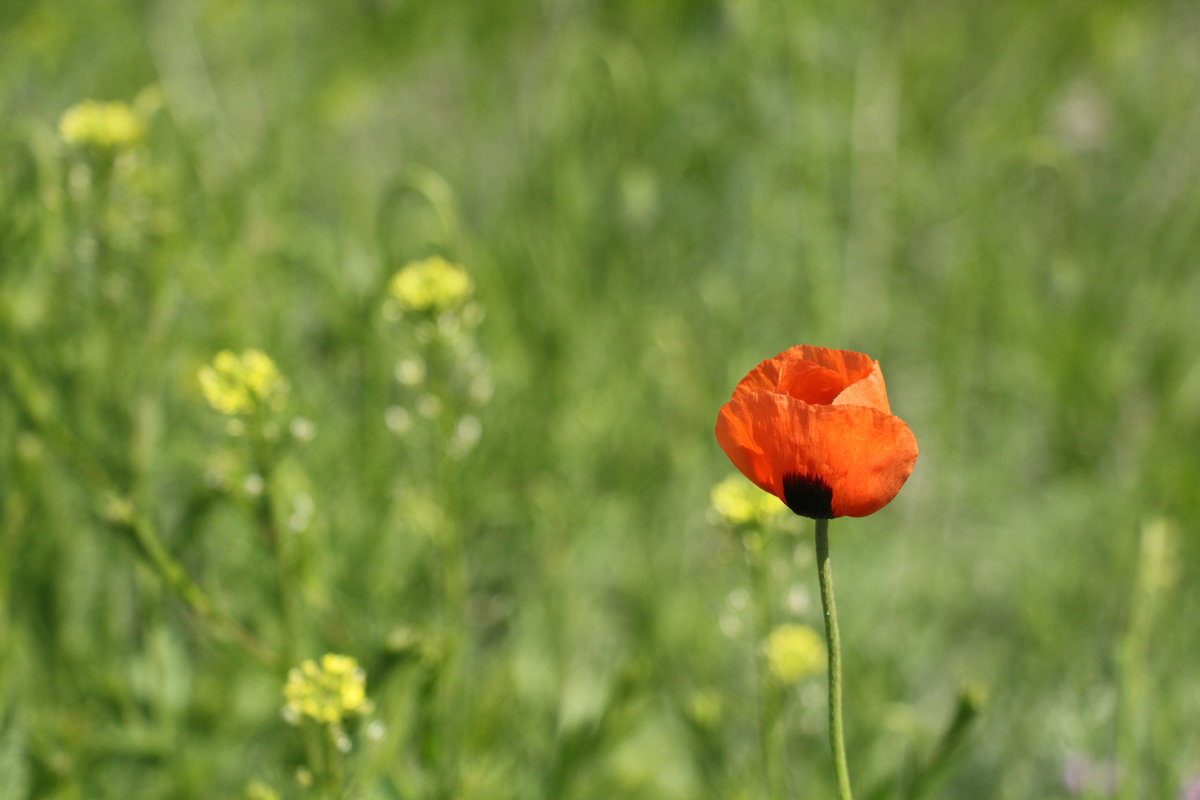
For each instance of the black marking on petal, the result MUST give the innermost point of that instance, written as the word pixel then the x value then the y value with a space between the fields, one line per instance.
pixel 808 496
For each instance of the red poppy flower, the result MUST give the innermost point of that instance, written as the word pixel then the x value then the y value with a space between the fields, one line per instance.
pixel 813 427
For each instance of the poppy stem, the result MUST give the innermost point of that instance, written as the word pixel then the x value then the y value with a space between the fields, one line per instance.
pixel 833 643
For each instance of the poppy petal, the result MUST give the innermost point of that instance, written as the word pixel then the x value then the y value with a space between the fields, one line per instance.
pixel 870 391
pixel 812 374
pixel 853 366
pixel 822 460
pixel 803 380
pixel 737 440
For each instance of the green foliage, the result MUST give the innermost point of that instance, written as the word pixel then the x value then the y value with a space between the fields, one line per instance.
pixel 997 201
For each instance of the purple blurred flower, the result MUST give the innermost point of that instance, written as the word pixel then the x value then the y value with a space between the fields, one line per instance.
pixel 1192 790
pixel 1083 776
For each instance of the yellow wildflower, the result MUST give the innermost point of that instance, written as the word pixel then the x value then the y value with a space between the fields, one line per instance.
pixel 794 652
pixel 258 790
pixel 327 692
pixel 432 284
pixel 242 384
pixel 739 502
pixel 107 126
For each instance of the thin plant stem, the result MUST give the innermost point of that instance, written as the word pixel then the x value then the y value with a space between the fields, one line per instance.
pixel 758 560
pixel 151 548
pixel 272 532
pixel 456 573
pixel 833 641
pixel 123 513
pixel 971 700
pixel 333 762
pixel 1154 579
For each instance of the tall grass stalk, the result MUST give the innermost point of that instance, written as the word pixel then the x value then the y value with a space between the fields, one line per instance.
pixel 1156 574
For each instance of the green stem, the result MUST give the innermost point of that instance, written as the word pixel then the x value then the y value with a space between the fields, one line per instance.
pixel 1156 574
pixel 971 700
pixel 833 640
pixel 123 512
pixel 333 762
pixel 271 528
pixel 271 532
pixel 456 578
pixel 757 558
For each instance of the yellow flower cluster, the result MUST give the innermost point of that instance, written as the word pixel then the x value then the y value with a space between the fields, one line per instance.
pixel 107 126
pixel 327 692
pixel 736 501
pixel 432 284
pixel 794 652
pixel 242 384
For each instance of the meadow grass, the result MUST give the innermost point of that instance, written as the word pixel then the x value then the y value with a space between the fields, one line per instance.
pixel 998 201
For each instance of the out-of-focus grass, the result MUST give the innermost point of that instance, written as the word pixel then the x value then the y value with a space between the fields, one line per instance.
pixel 999 202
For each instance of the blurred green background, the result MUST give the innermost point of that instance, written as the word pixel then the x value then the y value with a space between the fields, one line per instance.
pixel 999 201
